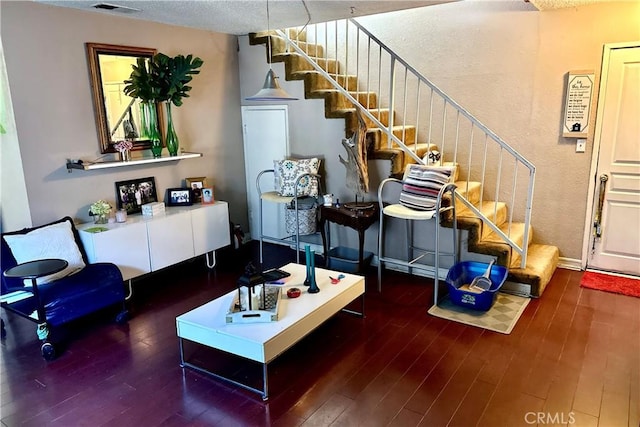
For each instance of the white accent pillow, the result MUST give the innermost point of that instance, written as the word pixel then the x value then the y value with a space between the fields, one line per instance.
pixel 53 241
pixel 287 173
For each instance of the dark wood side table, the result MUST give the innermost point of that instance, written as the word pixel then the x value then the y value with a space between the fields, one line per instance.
pixel 358 219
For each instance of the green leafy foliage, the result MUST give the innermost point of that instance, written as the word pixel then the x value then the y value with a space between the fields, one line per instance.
pixel 171 75
pixel 163 78
pixel 140 84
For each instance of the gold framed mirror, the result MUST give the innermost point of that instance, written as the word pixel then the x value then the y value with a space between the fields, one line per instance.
pixel 117 115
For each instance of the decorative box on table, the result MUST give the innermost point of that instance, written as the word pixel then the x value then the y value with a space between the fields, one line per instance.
pixel 154 208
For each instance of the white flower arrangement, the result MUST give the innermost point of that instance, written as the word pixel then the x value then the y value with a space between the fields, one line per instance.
pixel 100 208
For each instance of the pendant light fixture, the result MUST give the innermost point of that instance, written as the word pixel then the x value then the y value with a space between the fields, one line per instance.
pixel 271 90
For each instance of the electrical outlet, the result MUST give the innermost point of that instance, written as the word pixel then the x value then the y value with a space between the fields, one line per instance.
pixel 581 145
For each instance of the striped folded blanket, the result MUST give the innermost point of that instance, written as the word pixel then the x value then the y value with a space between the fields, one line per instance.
pixel 422 185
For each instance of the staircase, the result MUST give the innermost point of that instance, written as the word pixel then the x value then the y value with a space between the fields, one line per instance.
pixel 407 116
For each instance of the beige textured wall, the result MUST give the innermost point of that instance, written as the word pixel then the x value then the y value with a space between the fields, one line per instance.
pixel 48 75
pixel 14 208
pixel 506 63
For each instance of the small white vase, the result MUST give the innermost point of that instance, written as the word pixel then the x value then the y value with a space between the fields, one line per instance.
pixel 125 155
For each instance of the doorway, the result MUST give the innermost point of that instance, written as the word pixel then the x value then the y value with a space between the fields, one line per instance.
pixel 266 138
pixel 612 234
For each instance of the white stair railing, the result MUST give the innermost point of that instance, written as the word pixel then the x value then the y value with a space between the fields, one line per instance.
pixel 408 100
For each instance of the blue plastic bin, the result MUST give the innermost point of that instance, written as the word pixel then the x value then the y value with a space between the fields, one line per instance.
pixel 345 259
pixel 463 273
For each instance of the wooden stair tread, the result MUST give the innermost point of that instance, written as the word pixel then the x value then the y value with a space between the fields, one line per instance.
pixel 497 212
pixel 542 261
pixel 515 232
pixel 471 192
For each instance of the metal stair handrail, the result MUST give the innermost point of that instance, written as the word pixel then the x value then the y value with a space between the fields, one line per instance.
pixel 484 166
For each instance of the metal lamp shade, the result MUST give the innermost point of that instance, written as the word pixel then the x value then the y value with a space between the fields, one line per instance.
pixel 271 90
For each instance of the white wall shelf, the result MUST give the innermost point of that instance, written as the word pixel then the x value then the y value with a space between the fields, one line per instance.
pixel 116 164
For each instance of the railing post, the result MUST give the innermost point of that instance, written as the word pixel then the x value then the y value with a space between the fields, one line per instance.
pixel 346 54
pixel 392 95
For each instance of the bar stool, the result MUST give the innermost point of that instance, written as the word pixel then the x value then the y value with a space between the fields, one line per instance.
pixel 426 193
pixel 275 197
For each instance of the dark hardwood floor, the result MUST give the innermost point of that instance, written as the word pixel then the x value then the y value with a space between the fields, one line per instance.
pixel 572 359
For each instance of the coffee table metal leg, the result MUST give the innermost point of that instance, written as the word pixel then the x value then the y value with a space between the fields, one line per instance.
pixel 265 389
pixel 181 353
pixel 265 384
pixel 357 313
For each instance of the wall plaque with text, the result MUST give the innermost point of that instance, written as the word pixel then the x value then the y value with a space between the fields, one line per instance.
pixel 578 104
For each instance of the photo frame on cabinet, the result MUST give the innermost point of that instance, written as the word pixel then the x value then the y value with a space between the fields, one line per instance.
pixel 132 194
pixel 207 196
pixel 196 185
pixel 179 197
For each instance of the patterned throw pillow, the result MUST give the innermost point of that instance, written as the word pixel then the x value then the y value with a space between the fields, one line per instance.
pixel 287 172
pixel 421 185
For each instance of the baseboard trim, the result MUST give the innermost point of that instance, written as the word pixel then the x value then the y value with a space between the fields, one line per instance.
pixel 570 263
pixel 518 289
pixel 613 273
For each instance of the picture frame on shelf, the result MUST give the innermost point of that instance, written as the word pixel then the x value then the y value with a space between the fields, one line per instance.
pixel 196 184
pixel 207 196
pixel 179 197
pixel 132 194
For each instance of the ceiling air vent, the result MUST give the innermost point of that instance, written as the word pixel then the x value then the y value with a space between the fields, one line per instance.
pixel 115 8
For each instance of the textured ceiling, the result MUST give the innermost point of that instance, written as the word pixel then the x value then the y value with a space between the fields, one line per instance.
pixel 244 16
pixel 562 4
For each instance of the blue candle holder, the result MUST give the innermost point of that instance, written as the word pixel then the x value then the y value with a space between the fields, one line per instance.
pixel 307 254
pixel 313 286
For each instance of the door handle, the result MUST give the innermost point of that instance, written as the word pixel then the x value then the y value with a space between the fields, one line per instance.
pixel 597 223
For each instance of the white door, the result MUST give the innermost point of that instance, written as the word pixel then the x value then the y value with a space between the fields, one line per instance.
pixel 266 138
pixel 617 188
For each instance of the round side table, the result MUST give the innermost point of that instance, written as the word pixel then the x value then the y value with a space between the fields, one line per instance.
pixel 32 270
pixel 38 268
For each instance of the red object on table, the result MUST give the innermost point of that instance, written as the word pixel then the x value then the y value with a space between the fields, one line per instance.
pixel 293 292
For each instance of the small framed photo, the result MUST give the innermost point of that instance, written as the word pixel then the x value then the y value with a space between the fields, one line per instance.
pixel 196 184
pixel 179 197
pixel 132 194
pixel 207 196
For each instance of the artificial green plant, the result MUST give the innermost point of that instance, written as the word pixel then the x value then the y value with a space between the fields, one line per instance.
pixel 171 75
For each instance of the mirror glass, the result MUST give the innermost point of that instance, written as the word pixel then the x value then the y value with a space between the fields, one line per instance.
pixel 117 115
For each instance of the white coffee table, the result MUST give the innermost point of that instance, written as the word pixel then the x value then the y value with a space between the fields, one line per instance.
pixel 263 342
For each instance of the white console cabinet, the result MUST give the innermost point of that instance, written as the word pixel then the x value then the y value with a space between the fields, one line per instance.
pixel 144 244
pixel 170 239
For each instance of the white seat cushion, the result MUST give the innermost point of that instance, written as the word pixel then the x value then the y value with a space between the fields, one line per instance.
pixel 275 197
pixel 403 212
